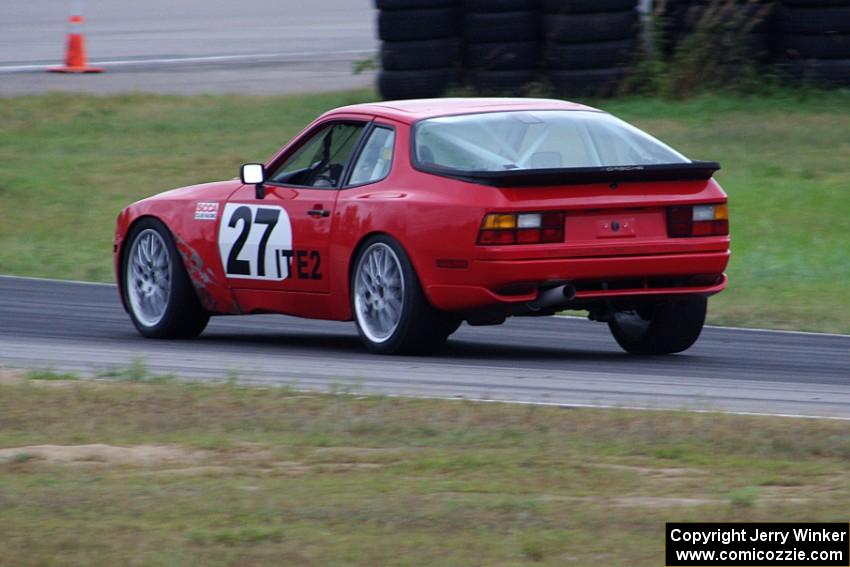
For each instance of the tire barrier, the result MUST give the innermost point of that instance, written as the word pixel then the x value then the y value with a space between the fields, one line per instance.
pixel 812 41
pixel 589 44
pixel 588 47
pixel 420 49
pixel 502 45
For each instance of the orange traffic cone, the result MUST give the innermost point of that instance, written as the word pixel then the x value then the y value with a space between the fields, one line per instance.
pixel 75 53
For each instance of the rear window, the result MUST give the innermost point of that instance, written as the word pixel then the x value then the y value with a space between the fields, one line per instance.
pixel 530 140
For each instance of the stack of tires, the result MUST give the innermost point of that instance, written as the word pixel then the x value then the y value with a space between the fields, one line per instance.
pixel 502 45
pixel 420 47
pixel 589 44
pixel 813 39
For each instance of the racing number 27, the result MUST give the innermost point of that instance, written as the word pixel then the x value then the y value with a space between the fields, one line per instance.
pixel 268 217
pixel 249 231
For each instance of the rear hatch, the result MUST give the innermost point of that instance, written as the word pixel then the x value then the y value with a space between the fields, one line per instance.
pixel 612 185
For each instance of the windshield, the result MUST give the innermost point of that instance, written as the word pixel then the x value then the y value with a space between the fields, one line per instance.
pixel 528 140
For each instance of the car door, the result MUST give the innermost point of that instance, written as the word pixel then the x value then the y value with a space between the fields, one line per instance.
pixel 281 242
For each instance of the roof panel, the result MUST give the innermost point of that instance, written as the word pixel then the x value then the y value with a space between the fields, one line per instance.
pixel 412 110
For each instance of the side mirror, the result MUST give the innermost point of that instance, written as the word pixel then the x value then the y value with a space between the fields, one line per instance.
pixel 254 174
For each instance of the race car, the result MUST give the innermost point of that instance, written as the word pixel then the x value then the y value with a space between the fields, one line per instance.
pixel 411 217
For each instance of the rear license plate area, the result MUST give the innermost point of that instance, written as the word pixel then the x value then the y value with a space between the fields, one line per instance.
pixel 599 225
pixel 616 227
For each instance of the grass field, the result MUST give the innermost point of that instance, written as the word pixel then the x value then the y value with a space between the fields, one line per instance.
pixel 70 163
pixel 135 473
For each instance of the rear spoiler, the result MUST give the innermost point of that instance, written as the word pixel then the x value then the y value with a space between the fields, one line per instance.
pixel 694 170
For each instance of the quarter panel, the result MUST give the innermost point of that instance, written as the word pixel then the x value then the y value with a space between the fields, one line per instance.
pixel 432 218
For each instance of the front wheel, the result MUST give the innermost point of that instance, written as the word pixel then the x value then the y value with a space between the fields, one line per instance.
pixel 157 291
pixel 391 311
pixel 661 328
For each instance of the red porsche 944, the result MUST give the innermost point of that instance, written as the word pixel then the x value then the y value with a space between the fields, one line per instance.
pixel 411 217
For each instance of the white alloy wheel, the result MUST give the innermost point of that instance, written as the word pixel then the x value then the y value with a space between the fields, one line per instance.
pixel 379 292
pixel 148 277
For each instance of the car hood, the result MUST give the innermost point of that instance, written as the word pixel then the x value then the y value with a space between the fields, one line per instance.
pixel 215 191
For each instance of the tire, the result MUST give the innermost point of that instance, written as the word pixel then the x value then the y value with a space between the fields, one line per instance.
pixel 508 83
pixel 814 20
pixel 426 83
pixel 578 28
pixel 587 82
pixel 591 55
pixel 413 25
pixel 158 270
pixel 500 5
pixel 416 55
pixel 413 4
pixel 585 6
pixel 391 312
pixel 494 28
pixel 503 56
pixel 828 72
pixel 828 46
pixel 815 3
pixel 663 328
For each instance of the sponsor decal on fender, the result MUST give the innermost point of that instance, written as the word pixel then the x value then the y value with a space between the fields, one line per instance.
pixel 206 211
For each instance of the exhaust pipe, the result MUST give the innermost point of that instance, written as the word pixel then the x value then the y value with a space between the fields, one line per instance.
pixel 552 297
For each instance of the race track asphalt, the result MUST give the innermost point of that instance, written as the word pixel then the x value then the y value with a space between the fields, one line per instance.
pixel 556 360
pixel 191 46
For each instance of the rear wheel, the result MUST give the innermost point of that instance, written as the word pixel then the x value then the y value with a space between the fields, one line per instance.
pixel 662 328
pixel 391 311
pixel 157 291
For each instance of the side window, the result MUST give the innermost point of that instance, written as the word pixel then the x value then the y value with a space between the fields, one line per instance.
pixel 375 160
pixel 321 161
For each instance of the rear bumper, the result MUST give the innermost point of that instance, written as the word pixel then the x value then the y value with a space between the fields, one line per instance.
pixel 491 283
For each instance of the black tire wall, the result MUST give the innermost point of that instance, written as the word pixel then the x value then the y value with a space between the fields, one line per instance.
pixel 811 41
pixel 589 45
pixel 580 48
pixel 420 50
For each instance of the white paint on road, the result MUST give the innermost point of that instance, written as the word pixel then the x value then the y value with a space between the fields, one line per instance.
pixel 117 64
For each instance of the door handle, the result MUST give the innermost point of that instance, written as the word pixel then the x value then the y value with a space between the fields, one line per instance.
pixel 319 213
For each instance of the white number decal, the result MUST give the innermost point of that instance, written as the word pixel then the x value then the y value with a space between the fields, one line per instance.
pixel 255 242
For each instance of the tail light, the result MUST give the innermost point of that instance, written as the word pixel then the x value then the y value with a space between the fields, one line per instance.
pixel 521 228
pixel 698 220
